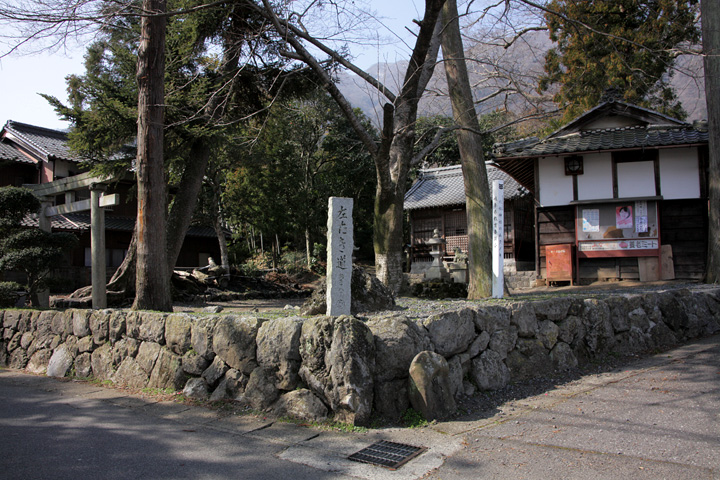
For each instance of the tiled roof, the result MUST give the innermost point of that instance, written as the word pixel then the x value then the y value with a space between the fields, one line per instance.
pixel 445 186
pixel 7 152
pixel 605 139
pixel 52 143
pixel 80 222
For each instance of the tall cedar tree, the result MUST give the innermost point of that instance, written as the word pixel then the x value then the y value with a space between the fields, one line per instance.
pixel 711 51
pixel 208 90
pixel 629 45
pixel 152 284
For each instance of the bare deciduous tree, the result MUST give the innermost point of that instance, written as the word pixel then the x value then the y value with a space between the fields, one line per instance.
pixel 477 193
pixel 393 152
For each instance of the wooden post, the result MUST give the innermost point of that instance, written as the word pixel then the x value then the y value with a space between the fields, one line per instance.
pixel 498 251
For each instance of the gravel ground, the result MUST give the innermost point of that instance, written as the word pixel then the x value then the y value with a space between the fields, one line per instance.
pixel 421 308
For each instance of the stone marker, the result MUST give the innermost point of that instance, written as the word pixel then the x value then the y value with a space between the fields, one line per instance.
pixel 429 386
pixel 60 362
pixel 339 251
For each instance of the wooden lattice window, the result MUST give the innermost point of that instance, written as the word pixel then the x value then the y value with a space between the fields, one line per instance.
pixel 423 229
pixel 456 231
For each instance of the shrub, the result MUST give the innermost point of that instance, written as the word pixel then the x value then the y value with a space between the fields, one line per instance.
pixel 293 262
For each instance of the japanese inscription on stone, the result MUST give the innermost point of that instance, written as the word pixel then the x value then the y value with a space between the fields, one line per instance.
pixel 339 251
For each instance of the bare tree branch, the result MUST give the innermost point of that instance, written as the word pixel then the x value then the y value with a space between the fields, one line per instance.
pixel 303 34
pixel 308 58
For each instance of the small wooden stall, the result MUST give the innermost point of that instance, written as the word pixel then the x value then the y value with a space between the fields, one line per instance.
pixel 624 186
pixel 623 228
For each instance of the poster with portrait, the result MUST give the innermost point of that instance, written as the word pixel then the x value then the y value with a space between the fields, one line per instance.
pixel 624 216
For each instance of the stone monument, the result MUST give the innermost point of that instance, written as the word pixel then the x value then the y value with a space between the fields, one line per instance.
pixel 339 255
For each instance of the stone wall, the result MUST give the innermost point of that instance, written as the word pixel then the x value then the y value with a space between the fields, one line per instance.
pixel 344 366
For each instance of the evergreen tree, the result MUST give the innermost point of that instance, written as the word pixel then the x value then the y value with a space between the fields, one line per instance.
pixel 28 250
pixel 220 69
pixel 304 152
pixel 629 45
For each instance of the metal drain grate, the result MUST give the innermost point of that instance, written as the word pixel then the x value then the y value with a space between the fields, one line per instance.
pixel 387 454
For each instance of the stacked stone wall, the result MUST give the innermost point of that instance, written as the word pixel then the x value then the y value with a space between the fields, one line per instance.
pixel 344 366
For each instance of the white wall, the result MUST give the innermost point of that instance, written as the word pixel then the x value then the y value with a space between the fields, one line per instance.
pixel 636 179
pixel 63 168
pixel 556 188
pixel 679 177
pixel 679 173
pixel 596 181
pixel 611 121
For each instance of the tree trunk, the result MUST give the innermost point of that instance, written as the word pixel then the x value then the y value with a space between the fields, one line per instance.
pixel 123 280
pixel 388 237
pixel 217 224
pixel 393 158
pixel 185 201
pixel 477 193
pixel 308 254
pixel 711 50
pixel 274 254
pixel 222 242
pixel 152 284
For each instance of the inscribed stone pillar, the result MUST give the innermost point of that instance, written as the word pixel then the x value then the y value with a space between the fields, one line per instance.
pixel 339 251
pixel 97 246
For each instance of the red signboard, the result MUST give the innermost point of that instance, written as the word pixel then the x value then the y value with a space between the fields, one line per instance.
pixel 558 260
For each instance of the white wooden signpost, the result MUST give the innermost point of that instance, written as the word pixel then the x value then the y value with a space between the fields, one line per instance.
pixel 339 255
pixel 498 250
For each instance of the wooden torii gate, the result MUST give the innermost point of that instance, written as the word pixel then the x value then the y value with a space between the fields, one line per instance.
pixel 96 204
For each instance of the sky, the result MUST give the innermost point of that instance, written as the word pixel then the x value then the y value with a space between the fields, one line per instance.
pixel 22 78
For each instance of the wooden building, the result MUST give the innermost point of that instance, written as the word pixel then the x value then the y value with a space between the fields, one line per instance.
pixel 621 193
pixel 31 155
pixel 437 201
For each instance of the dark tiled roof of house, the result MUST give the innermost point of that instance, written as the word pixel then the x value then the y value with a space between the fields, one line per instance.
pixel 605 139
pixel 445 186
pixel 7 152
pixel 53 144
pixel 80 222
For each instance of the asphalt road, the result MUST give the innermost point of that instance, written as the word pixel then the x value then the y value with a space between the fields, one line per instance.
pixel 60 429
pixel 54 430
pixel 656 418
